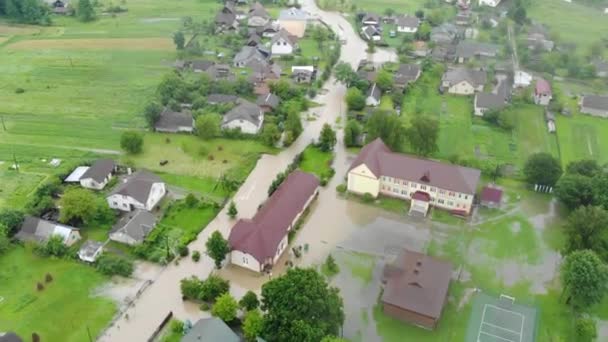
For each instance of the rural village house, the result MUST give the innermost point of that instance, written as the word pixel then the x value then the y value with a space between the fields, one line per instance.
pixel 445 33
pixel 258 16
pixel 378 170
pixel 463 81
pixel 303 74
pixel 491 197
pixel 38 230
pixel 133 227
pixel 210 329
pixel 249 54
pixel 406 74
pixel 142 190
pixel 175 122
pixel 94 177
pixel 542 92
pixel 407 24
pixel 601 68
pixel 90 251
pixel 217 99
pixel 491 3
pixel 416 288
pixel 522 79
pixel 294 21
pixel 268 102
pixel 537 39
pixel 370 19
pixel 374 95
pixel 259 242
pixel 468 50
pixel 283 44
pixel 595 105
pixel 246 116
pixel 488 101
pixel 225 19
pixel 371 33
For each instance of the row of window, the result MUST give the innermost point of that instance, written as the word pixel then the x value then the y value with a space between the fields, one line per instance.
pixel 439 201
pixel 422 187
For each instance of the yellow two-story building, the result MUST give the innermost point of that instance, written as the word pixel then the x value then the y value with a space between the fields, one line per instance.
pixel 378 170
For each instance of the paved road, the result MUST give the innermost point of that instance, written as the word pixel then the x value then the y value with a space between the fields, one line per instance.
pixel 138 322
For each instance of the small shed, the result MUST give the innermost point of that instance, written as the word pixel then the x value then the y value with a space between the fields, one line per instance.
pixel 90 251
pixel 491 196
pixel 75 176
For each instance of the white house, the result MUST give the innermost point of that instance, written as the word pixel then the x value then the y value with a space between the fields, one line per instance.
pixel 246 116
pixel 374 95
pixel 491 3
pixel 98 175
pixel 407 24
pixel 283 44
pixel 258 243
pixel 371 33
pixel 90 251
pixel 463 81
pixel 143 190
pixel 39 230
pixel 521 79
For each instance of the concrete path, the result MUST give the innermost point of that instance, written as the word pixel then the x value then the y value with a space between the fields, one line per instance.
pixel 139 321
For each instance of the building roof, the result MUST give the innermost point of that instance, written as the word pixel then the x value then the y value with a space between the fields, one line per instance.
pixel 601 66
pixel 37 229
pixel 489 101
pixel 249 53
pixel 419 284
pixel 407 73
pixel 549 116
pixel 100 169
pixel 201 64
pixel 285 36
pixel 9 337
pixel 444 31
pixel 370 17
pixel 225 18
pixel 381 161
pixel 245 110
pixel 270 100
pixel 595 102
pixel 407 21
pixel 370 31
pixel 375 92
pixel 456 75
pixel 136 224
pixel 261 235
pixel 293 13
pixel 89 248
pixel 221 98
pixel 137 186
pixel 258 10
pixel 76 174
pixel 491 194
pixel 210 329
pixel 468 49
pixel 171 120
pixel 542 87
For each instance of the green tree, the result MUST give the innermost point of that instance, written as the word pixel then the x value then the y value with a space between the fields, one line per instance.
pixel 191 287
pixel 585 167
pixel 575 190
pixel 384 80
pixel 249 301
pixel 541 168
pixel 345 74
pixel 300 306
pixel 352 131
pixel 423 134
pixel 4 240
pixel 26 11
pixel 132 142
pixel 110 264
pixel 327 138
pixel 54 246
pixel 11 219
pixel 85 11
pixel 584 279
pixel 78 206
pixel 585 329
pixel 587 228
pixel 212 288
pixel 270 134
pixel 330 267
pixel 179 40
pixel 172 86
pixel 152 113
pixel 388 127
pixel 217 248
pixel 600 184
pixel 355 100
pixel 253 325
pixel 208 126
pixel 293 124
pixel 232 211
pixel 333 339
pixel 225 308
pixel 424 32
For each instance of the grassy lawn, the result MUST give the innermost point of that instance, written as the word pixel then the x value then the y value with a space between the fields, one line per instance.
pixel 190 221
pixel 16 186
pixel 189 155
pixel 60 312
pixel 316 162
pixel 360 265
pixel 582 137
pixel 573 22
pixel 408 7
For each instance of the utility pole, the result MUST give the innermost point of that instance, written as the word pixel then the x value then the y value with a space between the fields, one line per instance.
pixel 3 125
pixel 89 334
pixel 15 162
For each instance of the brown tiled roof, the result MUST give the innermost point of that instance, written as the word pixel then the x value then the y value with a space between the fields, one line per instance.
pixel 419 284
pixel 490 194
pixel 381 161
pixel 261 235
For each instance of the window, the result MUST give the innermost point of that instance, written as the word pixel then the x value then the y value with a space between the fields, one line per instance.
pixel 396 180
pixel 405 183
pixel 440 201
pixel 245 261
pixel 433 189
pixel 423 187
pixel 452 194
pixel 395 190
pixel 413 185
pixel 404 192
pixel 115 203
pixel 450 203
pixel 442 192
pixel 459 195
pixel 466 197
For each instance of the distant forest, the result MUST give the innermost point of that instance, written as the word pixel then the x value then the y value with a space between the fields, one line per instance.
pixel 26 11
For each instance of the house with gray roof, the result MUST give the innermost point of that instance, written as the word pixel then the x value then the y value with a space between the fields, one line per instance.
pixel 34 229
pixel 468 50
pixel 268 102
pixel 141 190
pixel 488 101
pixel 225 19
pixel 171 121
pixel 601 68
pixel 371 33
pixel 374 95
pixel 538 39
pixel 217 99
pixel 249 54
pixel 98 175
pixel 258 16
pixel 595 105
pixel 406 74
pixel 283 43
pixel 303 74
pixel 407 24
pixel 294 21
pixel 370 19
pixel 90 251
pixel 463 81
pixel 445 33
pixel 246 116
pixel 133 227
pixel 210 329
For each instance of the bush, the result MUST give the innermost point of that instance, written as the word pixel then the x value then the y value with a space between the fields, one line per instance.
pixel 368 198
pixel 585 329
pixel 111 264
pixel 19 91
pixel 341 188
pixel 132 142
pixel 191 201
pixel 204 306
pixel 330 267
pixel 232 211
pixel 323 181
pixel 183 250
pixel 177 327
pixel 225 308
pixel 196 256
pixel 48 278
pixel 54 246
pixel 191 287
pixel 249 301
pixel 212 288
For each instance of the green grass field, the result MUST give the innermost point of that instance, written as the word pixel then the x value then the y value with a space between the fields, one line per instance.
pixel 63 310
pixel 582 137
pixel 16 186
pixel 316 161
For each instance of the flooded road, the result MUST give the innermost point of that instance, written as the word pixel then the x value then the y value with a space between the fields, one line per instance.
pixel 137 321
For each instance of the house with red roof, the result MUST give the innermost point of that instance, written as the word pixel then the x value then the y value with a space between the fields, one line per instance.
pixel 258 243
pixel 542 92
pixel 491 196
pixel 379 171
